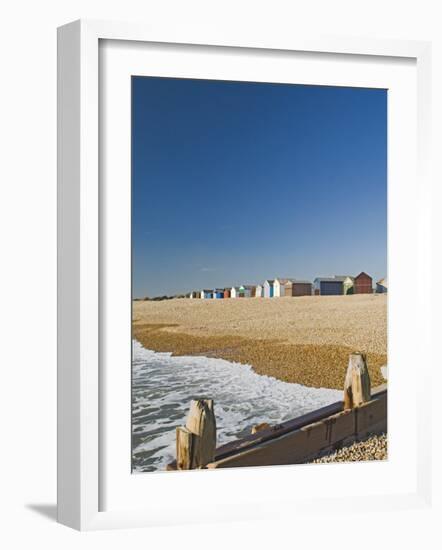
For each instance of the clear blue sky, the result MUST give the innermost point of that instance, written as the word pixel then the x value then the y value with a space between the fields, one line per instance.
pixel 237 182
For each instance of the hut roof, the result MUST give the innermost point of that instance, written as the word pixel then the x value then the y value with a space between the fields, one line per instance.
pixel 301 282
pixel 362 274
pixel 270 281
pixel 328 280
pixel 284 281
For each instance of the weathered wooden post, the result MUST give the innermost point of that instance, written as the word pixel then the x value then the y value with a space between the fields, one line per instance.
pixel 357 385
pixel 196 442
pixel 184 448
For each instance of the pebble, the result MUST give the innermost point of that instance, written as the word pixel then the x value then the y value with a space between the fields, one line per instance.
pixel 372 448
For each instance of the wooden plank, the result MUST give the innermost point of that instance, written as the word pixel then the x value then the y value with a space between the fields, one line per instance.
pixel 372 417
pixel 328 432
pixel 307 441
pixel 294 447
pixel 277 430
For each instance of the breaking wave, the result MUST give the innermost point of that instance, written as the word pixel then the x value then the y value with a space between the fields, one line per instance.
pixel 163 386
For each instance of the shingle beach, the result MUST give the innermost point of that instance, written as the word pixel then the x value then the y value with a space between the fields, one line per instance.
pixel 306 340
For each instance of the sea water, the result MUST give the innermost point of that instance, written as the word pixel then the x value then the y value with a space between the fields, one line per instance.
pixel 163 386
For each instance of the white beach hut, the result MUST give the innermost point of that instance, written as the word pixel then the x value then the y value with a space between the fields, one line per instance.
pixel 268 288
pixel 279 286
pixel 234 292
pixel 259 291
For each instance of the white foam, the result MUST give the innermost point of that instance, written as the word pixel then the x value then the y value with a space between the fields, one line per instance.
pixel 163 387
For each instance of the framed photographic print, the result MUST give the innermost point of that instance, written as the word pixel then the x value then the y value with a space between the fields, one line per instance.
pixel 256 171
pixel 234 226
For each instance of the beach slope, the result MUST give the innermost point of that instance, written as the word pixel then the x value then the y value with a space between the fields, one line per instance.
pixel 306 340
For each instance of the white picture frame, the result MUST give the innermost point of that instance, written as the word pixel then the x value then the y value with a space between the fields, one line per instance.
pixel 80 437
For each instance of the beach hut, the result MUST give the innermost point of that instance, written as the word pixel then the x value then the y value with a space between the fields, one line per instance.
pixel 248 290
pixel 382 286
pixel 298 288
pixel 241 291
pixel 363 284
pixel 259 291
pixel 195 294
pixel 328 286
pixel 218 293
pixel 347 283
pixel 279 286
pixel 227 293
pixel 206 294
pixel 268 288
pixel 234 292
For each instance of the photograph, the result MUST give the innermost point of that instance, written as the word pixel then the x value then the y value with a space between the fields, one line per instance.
pixel 259 274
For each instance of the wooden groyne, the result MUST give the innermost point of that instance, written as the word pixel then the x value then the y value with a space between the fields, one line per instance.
pixel 362 411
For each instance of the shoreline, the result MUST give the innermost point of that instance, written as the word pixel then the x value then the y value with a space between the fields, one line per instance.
pixel 307 364
pixel 229 361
